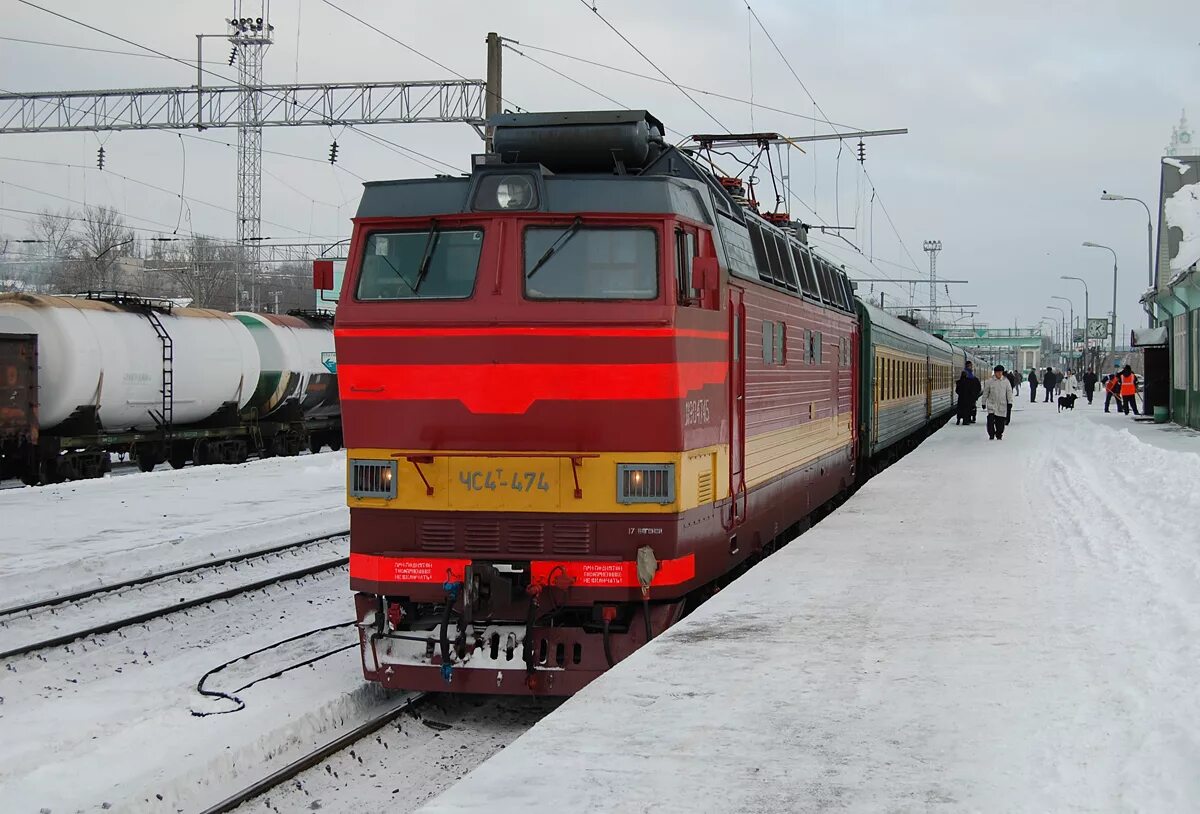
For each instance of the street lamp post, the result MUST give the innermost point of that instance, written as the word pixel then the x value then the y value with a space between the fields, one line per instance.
pixel 1108 196
pixel 1112 342
pixel 1062 328
pixel 1086 312
pixel 1071 324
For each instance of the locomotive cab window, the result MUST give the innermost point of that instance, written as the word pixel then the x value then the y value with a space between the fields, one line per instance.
pixel 590 263
pixel 428 264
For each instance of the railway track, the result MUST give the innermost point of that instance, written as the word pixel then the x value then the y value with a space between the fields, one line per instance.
pixel 63 619
pixel 285 773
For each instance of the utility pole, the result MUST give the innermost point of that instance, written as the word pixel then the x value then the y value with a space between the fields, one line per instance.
pixel 932 247
pixel 250 38
pixel 493 93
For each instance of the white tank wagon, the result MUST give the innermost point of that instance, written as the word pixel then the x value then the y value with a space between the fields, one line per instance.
pixel 99 357
pixel 297 379
pixel 119 373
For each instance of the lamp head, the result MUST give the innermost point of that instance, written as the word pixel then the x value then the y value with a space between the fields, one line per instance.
pixel 1092 245
pixel 1108 196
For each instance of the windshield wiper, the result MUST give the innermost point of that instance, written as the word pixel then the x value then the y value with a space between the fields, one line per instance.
pixel 558 243
pixel 407 284
pixel 427 256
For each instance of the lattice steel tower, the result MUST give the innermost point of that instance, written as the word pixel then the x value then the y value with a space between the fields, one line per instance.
pixel 933 247
pixel 250 36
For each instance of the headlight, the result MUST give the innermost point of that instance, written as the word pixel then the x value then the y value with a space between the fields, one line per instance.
pixel 514 192
pixel 496 192
pixel 372 478
pixel 645 483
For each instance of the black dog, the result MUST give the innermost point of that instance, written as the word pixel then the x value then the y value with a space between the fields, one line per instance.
pixel 1066 402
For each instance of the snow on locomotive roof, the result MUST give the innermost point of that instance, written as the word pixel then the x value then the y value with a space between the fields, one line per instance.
pixel 885 320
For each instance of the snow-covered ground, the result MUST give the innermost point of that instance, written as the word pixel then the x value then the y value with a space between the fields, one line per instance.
pixel 106 723
pixel 72 536
pixel 987 626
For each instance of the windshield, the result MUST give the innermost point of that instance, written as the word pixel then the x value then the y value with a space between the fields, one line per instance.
pixel 591 263
pixel 393 263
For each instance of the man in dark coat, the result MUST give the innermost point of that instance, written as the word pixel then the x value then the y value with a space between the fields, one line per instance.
pixel 1033 383
pixel 1048 382
pixel 1089 384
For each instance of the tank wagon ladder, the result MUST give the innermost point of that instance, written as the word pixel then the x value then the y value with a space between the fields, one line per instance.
pixel 167 416
pixel 150 308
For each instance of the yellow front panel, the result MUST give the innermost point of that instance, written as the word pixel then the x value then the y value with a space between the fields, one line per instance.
pixel 541 482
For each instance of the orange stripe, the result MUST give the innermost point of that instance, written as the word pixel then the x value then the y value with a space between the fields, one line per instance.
pixel 529 331
pixel 511 389
pixel 584 573
pixel 423 570
pixel 619 574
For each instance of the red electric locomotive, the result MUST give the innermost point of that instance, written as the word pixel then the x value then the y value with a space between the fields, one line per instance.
pixel 581 388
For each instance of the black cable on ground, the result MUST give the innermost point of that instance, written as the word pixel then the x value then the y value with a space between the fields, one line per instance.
pixel 230 696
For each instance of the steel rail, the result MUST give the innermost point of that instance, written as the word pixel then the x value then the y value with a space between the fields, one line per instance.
pixel 297 766
pixel 174 572
pixel 146 616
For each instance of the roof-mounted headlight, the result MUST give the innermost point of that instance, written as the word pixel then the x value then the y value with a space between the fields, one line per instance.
pixel 505 192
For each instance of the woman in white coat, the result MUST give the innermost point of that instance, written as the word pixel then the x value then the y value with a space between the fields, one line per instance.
pixel 1070 386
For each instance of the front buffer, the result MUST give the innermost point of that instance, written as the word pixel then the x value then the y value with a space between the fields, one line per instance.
pixel 524 628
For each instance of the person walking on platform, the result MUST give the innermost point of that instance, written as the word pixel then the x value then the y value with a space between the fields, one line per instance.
pixel 1071 385
pixel 1089 384
pixel 997 400
pixel 1048 382
pixel 1033 383
pixel 1127 384
pixel 967 388
pixel 1012 380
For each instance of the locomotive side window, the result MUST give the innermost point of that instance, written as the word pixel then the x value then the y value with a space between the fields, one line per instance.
pixel 685 251
pixel 804 267
pixel 785 264
pixel 429 264
pixel 592 263
pixel 760 253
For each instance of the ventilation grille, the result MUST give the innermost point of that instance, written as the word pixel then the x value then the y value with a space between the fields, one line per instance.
pixel 572 538
pixel 436 535
pixel 373 479
pixel 526 538
pixel 482 537
pixel 704 487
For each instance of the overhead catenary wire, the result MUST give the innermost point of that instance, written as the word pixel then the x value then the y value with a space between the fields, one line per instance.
pixel 758 105
pixel 96 50
pixel 210 72
pixel 651 63
pixel 825 118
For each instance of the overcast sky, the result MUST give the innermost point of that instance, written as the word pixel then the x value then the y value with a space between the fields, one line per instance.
pixel 1019 114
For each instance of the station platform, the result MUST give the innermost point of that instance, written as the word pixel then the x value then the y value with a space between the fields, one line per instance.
pixel 1004 625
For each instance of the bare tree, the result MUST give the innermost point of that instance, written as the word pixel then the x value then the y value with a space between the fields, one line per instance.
pixel 201 270
pixel 103 240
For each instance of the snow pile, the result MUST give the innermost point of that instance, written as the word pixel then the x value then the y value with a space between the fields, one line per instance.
pixel 1182 211
pixel 987 626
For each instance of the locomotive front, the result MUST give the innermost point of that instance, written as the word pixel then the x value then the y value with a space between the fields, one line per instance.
pixel 533 369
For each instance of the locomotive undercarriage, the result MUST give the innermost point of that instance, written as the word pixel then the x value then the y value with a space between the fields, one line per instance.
pixel 495 632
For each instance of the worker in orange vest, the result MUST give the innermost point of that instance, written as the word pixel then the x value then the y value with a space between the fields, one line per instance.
pixel 1111 392
pixel 1128 384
